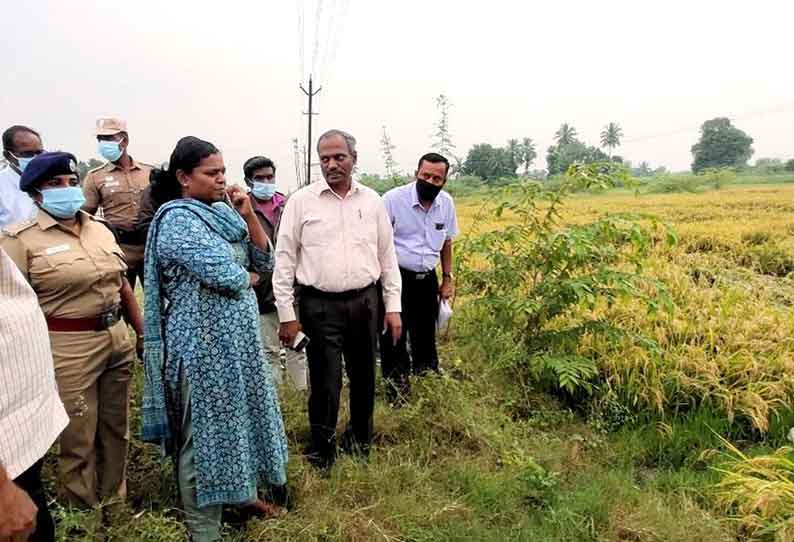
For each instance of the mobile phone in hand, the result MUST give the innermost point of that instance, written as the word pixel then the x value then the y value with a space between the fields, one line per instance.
pixel 301 340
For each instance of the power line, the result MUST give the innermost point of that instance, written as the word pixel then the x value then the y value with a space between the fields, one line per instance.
pixel 331 9
pixel 335 38
pixel 301 37
pixel 317 20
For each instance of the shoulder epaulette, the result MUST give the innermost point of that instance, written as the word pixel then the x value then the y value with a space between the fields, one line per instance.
pixel 13 230
pixel 90 171
pixel 105 223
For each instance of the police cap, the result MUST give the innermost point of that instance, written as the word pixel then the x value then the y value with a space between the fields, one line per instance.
pixel 46 166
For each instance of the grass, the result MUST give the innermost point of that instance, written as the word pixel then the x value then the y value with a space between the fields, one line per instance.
pixel 474 457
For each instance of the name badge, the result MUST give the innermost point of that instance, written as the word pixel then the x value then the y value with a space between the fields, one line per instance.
pixel 111 183
pixel 56 250
pixel 439 225
pixel 108 178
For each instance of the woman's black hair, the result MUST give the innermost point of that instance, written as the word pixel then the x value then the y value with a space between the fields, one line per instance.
pixel 188 153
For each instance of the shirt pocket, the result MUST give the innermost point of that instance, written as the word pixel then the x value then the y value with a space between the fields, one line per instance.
pixel 117 193
pixel 436 237
pixel 316 232
pixel 64 259
pixel 60 270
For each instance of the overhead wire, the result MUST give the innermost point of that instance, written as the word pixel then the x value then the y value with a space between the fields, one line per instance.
pixel 335 38
pixel 301 37
pixel 317 21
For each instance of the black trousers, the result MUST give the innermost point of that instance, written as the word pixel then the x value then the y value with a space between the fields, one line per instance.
pixel 134 273
pixel 420 312
pixel 30 482
pixel 340 326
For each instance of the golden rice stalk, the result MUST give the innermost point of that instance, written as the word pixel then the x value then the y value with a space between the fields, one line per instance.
pixel 758 492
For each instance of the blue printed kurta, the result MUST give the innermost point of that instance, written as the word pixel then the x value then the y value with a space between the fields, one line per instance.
pixel 211 331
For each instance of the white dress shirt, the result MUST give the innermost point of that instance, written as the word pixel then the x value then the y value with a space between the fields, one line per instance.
pixel 15 205
pixel 31 413
pixel 334 244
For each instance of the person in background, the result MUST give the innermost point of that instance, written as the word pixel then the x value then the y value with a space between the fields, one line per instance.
pixel 336 241
pixel 76 269
pixel 424 222
pixel 20 145
pixel 209 396
pixel 268 204
pixel 31 413
pixel 117 187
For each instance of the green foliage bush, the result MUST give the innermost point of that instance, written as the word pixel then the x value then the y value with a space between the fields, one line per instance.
pixel 522 278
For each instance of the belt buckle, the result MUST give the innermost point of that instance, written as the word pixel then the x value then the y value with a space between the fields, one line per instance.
pixel 421 276
pixel 107 319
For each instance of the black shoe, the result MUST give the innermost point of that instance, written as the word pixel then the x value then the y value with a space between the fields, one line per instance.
pixel 350 446
pixel 321 462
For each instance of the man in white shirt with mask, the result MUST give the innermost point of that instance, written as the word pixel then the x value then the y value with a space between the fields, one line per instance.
pixel 20 145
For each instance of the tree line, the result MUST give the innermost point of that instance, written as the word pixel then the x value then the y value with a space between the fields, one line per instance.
pixel 720 145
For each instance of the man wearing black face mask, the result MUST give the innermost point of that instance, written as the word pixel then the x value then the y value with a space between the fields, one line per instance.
pixel 424 223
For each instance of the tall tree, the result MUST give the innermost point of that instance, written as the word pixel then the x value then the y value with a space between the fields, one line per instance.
pixel 560 157
pixel 610 137
pixel 489 162
pixel 721 144
pixel 443 139
pixel 386 148
pixel 514 151
pixel 528 153
pixel 566 134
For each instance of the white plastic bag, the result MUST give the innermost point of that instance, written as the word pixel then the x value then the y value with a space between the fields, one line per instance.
pixel 444 314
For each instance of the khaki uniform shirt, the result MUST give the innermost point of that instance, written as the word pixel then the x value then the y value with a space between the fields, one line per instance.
pixel 73 276
pixel 335 244
pixel 117 191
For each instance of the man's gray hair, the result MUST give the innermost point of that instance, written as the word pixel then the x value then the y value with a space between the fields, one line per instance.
pixel 349 140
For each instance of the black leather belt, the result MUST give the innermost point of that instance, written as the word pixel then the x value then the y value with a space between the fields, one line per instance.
pixel 347 294
pixel 416 276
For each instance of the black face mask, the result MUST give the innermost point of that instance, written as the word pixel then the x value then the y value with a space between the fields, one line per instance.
pixel 426 191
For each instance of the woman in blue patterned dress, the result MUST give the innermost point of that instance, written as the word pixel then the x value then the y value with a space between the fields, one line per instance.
pixel 209 397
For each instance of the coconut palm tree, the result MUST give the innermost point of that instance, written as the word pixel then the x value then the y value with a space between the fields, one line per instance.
pixel 610 136
pixel 514 150
pixel 528 153
pixel 566 134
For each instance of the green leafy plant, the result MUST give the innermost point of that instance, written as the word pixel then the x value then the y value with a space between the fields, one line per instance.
pixel 527 277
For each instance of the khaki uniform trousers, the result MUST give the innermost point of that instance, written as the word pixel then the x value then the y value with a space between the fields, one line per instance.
pixel 93 370
pixel 295 362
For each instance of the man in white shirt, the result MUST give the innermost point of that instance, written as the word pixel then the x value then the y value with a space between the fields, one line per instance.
pixel 31 413
pixel 336 242
pixel 20 145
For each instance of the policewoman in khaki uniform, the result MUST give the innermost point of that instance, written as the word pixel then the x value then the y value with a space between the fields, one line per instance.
pixel 76 268
pixel 117 187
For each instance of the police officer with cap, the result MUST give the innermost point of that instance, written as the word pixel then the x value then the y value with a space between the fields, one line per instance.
pixel 74 265
pixel 117 187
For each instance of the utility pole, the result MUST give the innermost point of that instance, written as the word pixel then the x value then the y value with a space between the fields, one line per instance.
pixel 311 93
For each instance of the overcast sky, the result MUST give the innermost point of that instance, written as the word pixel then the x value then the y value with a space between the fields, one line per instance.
pixel 229 72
